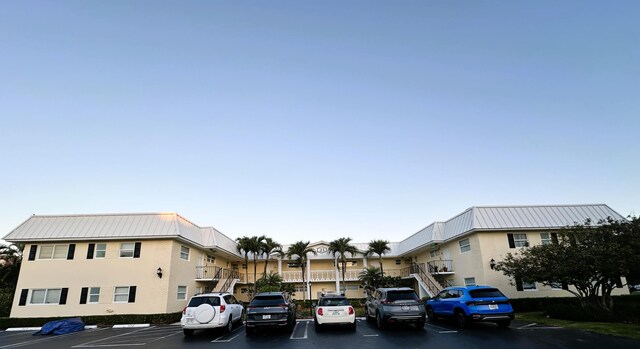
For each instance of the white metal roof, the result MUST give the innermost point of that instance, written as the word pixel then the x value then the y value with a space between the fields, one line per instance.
pixel 172 225
pixel 119 226
pixel 507 218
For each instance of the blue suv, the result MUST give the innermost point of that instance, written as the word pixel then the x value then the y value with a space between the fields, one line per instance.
pixel 471 303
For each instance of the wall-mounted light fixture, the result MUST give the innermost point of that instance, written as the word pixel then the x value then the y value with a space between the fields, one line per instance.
pixel 159 272
pixel 492 263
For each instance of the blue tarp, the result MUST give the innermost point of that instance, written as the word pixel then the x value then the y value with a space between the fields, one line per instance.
pixel 62 326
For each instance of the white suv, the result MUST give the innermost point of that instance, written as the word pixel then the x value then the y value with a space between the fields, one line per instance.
pixel 211 310
pixel 334 309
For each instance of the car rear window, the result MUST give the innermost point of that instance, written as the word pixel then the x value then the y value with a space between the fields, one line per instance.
pixel 267 300
pixel 486 293
pixel 328 302
pixel 401 295
pixel 196 301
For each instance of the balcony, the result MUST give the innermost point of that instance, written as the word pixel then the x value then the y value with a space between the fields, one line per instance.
pixel 440 267
pixel 209 273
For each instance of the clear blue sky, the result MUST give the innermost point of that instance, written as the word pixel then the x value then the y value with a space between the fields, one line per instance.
pixel 316 120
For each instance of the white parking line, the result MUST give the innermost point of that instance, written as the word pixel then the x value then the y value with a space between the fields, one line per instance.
pixel 441 329
pixel 369 335
pixel 93 344
pixel 525 326
pixel 218 340
pixel 20 344
pixel 306 329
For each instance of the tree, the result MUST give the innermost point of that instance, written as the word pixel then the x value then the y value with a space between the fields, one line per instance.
pixel 372 278
pixel 10 260
pixel 269 283
pixel 243 245
pixel 269 247
pixel 379 247
pixel 590 258
pixel 255 246
pixel 341 247
pixel 298 253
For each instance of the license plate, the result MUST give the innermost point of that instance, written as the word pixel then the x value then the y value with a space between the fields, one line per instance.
pixel 493 306
pixel 265 317
pixel 335 312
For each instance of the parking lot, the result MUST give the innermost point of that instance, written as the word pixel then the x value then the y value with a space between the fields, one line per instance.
pixel 438 335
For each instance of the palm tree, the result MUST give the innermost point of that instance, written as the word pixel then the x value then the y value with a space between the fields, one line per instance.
pixel 298 253
pixel 243 246
pixel 379 247
pixel 255 245
pixel 342 246
pixel 269 247
pixel 371 278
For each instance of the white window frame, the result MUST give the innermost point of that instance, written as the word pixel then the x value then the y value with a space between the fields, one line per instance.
pixel 181 296
pixel 100 251
pixel 56 251
pixel 471 281
pixel 116 294
pixel 519 241
pixel 546 239
pixel 94 292
pixel 211 259
pixel 184 255
pixel 465 245
pixel 45 296
pixel 125 251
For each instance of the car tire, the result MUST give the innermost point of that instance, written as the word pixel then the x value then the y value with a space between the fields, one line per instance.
pixel 431 315
pixel 229 326
pixel 317 326
pixel 291 326
pixel 249 330
pixel 187 332
pixel 461 319
pixel 420 324
pixel 369 317
pixel 504 323
pixel 353 326
pixel 380 321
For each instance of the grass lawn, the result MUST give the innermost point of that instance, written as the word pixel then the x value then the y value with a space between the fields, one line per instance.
pixel 611 328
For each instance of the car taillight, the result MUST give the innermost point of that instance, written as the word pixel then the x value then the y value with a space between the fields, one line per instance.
pixel 384 301
pixel 320 312
pixel 184 311
pixel 284 306
pixel 222 308
pixel 249 307
pixel 350 310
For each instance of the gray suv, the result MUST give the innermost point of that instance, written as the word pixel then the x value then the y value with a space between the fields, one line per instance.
pixel 270 309
pixel 395 305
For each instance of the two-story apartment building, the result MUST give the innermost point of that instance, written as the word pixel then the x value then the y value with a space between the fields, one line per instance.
pixel 151 263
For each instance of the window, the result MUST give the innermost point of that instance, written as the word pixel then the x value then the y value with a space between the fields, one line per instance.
pixel 290 265
pixel 184 253
pixel 53 252
pixel 556 285
pixel 48 296
pixel 398 261
pixel 210 259
pixel 130 249
pixel 465 246
pixel 469 281
pixel 517 240
pixel 127 249
pixel 94 294
pixel 122 294
pixel 434 253
pixel 182 292
pixel 549 238
pixel 100 251
pixel 353 287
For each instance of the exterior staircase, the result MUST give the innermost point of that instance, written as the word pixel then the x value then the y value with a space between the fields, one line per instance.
pixel 427 282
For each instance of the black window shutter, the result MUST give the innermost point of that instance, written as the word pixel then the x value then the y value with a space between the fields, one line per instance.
pixel 71 252
pixel 136 250
pixel 23 296
pixel 132 294
pixel 554 238
pixel 519 284
pixel 565 286
pixel 512 243
pixel 32 252
pixel 83 295
pixel 90 250
pixel 63 296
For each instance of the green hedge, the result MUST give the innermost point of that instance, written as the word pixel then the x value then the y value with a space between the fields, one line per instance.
pixel 100 320
pixel 626 308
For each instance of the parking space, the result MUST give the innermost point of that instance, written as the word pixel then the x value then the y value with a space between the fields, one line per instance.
pixel 435 335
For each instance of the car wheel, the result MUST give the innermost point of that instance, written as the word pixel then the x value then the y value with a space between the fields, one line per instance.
pixel 317 326
pixel 291 326
pixel 187 333
pixel 230 325
pixel 420 324
pixel 431 315
pixel 353 326
pixel 461 319
pixel 369 317
pixel 379 321
pixel 504 324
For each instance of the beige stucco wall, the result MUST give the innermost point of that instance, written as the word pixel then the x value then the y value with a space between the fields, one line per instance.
pixel 106 273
